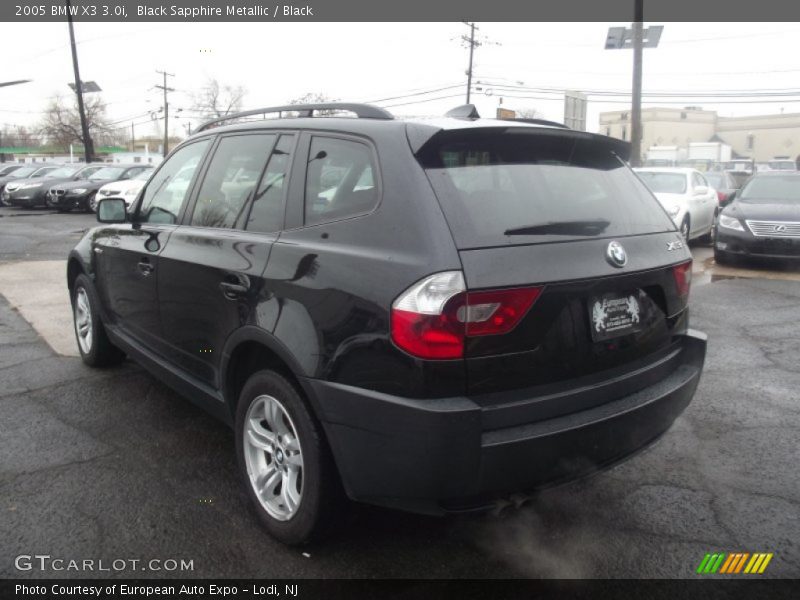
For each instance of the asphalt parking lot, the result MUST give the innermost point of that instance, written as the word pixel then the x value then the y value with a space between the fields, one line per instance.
pixel 112 464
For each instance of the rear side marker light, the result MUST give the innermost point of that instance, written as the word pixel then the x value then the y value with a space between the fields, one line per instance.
pixel 433 317
pixel 683 278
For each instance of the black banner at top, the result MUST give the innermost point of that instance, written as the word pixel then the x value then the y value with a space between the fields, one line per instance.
pixel 396 10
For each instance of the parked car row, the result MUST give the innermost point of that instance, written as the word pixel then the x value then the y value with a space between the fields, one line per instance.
pixel 759 219
pixel 69 187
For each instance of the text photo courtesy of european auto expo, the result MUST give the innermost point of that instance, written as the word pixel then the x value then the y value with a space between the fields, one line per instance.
pixel 360 300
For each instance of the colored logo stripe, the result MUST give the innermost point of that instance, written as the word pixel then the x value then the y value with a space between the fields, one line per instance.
pixel 734 563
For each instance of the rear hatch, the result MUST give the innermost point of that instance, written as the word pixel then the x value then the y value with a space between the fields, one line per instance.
pixel 550 209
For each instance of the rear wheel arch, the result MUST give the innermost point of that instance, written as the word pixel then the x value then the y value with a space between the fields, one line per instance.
pixel 251 350
pixel 74 268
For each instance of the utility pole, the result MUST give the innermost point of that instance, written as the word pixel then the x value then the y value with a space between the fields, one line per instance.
pixel 636 96
pixel 88 146
pixel 472 43
pixel 133 139
pixel 166 109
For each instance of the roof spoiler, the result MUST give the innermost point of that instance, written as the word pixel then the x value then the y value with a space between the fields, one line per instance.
pixel 465 111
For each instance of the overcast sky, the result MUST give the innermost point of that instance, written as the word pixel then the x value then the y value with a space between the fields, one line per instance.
pixel 361 62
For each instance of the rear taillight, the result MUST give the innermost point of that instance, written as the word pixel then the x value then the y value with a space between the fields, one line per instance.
pixel 721 197
pixel 433 317
pixel 496 311
pixel 683 278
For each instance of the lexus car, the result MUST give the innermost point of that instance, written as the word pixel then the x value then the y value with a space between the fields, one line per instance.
pixel 762 221
pixel 686 196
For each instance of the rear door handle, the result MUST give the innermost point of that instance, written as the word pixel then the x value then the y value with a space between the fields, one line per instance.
pixel 145 268
pixel 239 286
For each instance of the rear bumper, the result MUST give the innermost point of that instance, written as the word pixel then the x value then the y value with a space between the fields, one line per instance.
pixel 435 456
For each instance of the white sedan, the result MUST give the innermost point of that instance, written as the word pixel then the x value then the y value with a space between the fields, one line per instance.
pixel 127 189
pixel 686 196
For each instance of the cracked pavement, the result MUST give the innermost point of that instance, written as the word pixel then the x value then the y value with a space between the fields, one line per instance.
pixel 112 464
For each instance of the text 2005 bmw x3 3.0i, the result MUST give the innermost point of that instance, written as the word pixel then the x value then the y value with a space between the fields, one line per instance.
pixel 424 315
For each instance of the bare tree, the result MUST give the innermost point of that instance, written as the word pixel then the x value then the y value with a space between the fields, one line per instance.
pixel 216 100
pixel 316 98
pixel 313 98
pixel 18 135
pixel 61 122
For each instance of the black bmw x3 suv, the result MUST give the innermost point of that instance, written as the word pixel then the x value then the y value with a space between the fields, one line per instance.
pixel 421 314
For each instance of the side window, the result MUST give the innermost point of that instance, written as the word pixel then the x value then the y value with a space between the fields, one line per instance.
pixel 340 181
pixel 266 214
pixel 167 190
pixel 230 180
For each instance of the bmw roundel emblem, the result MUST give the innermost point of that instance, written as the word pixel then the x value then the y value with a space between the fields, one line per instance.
pixel 616 255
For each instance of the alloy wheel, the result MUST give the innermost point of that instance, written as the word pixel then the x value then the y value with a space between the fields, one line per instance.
pixel 274 457
pixel 83 320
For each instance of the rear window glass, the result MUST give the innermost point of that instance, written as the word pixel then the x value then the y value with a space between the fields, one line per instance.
pixel 664 183
pixel 522 188
pixel 772 187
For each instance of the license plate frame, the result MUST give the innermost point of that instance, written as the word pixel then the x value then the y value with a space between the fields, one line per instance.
pixel 614 314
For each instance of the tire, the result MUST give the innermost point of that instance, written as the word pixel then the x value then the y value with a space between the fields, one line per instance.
pixel 685 229
pixel 90 207
pixel 93 343
pixel 282 451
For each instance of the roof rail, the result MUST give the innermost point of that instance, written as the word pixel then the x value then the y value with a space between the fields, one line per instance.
pixel 539 122
pixel 362 111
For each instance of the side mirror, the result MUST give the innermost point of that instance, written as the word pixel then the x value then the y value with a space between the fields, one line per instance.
pixel 700 190
pixel 112 210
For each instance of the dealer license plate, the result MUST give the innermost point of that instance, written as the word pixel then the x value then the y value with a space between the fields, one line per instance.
pixel 614 315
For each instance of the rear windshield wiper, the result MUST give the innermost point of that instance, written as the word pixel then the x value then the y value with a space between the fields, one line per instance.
pixel 595 227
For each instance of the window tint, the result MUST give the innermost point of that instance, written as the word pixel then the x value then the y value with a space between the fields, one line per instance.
pixel 168 188
pixel 528 188
pixel 266 214
pixel 340 180
pixel 230 180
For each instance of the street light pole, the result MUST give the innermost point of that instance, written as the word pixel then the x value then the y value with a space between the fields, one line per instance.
pixel 636 96
pixel 88 145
